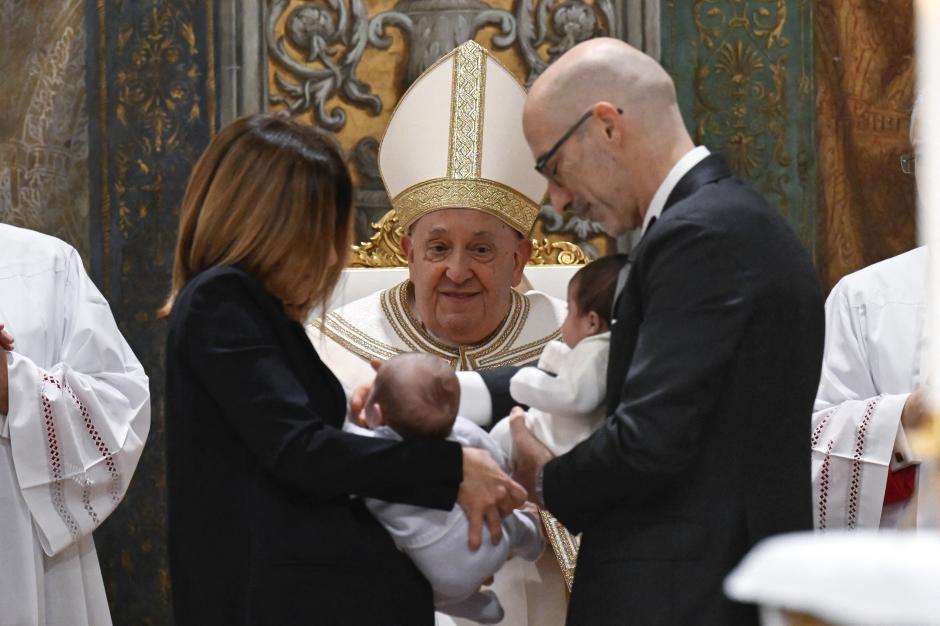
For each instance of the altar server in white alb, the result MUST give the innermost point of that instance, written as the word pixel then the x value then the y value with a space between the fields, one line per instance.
pixel 74 415
pixel 565 393
pixel 864 474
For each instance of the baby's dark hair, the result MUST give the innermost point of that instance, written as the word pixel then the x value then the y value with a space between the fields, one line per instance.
pixel 592 287
pixel 419 395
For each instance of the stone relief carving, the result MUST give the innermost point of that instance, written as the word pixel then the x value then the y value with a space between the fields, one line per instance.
pixel 328 70
pixel 435 27
pixel 315 48
pixel 561 25
pixel 44 126
pixel 333 34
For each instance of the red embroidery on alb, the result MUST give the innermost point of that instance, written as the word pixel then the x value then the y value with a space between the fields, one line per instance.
pixel 100 444
pixel 817 432
pixel 56 488
pixel 824 487
pixel 855 484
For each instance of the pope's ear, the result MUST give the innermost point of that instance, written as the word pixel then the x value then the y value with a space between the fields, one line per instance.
pixel 521 258
pixel 407 245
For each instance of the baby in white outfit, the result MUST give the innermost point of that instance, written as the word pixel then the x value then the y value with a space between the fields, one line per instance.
pixel 416 395
pixel 565 392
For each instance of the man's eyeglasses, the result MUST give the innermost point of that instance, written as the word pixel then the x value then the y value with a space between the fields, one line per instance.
pixel 542 161
pixel 907 163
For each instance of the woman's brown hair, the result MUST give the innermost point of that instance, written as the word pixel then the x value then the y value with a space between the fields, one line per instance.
pixel 272 197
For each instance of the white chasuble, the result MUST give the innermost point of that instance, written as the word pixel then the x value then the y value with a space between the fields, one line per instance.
pixel 384 324
pixel 79 413
pixel 874 346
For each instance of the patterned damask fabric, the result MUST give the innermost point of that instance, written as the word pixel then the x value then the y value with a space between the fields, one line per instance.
pixel 864 81
pixel 44 119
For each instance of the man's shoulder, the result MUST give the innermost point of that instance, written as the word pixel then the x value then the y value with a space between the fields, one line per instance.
pixel 23 250
pixel 543 306
pixel 899 279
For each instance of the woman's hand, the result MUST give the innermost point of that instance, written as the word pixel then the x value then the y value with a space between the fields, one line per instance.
pixel 357 401
pixel 486 494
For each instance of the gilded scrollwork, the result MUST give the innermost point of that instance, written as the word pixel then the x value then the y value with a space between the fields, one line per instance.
pixel 547 252
pixel 383 248
pixel 435 27
pixel 330 36
pixel 559 26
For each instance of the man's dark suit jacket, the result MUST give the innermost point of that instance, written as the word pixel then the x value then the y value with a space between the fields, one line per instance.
pixel 262 529
pixel 715 358
pixel 714 363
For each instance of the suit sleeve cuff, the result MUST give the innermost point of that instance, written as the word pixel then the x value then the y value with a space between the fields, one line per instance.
pixel 475 402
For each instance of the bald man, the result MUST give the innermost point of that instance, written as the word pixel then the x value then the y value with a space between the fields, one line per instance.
pixel 715 353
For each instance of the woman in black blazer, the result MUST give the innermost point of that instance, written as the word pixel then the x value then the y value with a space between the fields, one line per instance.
pixel 263 528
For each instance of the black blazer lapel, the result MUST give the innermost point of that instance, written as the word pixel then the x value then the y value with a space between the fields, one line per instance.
pixel 624 331
pixel 708 170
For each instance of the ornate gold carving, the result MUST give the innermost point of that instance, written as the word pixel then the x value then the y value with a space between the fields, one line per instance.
pixel 556 253
pixel 475 193
pixel 564 545
pixel 383 249
pixel 466 122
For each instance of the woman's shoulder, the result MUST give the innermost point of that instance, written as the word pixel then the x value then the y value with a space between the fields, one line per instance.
pixel 211 287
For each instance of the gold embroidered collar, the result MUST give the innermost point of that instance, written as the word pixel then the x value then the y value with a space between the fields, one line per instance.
pixel 496 351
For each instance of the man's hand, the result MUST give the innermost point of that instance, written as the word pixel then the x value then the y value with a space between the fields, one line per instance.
pixel 6 345
pixel 6 340
pixel 915 412
pixel 357 401
pixel 529 454
pixel 486 494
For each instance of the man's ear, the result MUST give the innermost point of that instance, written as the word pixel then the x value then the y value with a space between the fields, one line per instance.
pixel 520 259
pixel 612 121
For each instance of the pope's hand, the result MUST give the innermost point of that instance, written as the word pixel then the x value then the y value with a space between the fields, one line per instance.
pixel 528 453
pixel 486 494
pixel 357 401
pixel 915 412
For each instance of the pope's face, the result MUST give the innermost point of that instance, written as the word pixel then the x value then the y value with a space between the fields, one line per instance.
pixel 463 265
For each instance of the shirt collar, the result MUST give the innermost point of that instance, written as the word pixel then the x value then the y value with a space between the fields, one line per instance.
pixel 692 158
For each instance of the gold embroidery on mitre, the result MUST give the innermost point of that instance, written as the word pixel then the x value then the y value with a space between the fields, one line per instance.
pixel 466 112
pixel 502 201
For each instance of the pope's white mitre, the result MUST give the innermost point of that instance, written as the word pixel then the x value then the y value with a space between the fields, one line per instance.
pixel 455 141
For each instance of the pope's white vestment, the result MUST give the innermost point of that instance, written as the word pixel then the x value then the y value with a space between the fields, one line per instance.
pixel 873 361
pixel 385 324
pixel 79 412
